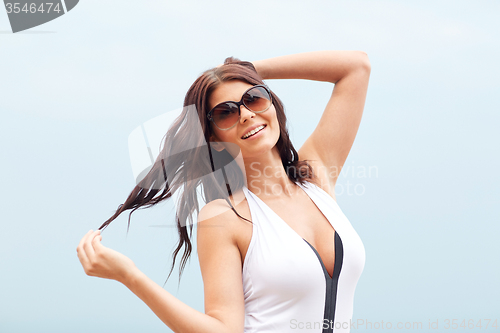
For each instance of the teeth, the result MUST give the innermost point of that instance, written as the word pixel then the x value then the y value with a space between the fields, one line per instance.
pixel 253 132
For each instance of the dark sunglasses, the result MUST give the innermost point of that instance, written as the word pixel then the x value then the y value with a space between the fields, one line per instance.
pixel 226 115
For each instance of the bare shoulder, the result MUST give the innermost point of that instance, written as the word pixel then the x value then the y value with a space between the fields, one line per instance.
pixel 216 222
pixel 220 208
pixel 213 208
pixel 216 212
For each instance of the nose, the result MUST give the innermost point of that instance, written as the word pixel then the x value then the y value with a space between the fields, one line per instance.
pixel 245 114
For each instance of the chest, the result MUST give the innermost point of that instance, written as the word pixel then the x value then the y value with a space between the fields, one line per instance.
pixel 304 218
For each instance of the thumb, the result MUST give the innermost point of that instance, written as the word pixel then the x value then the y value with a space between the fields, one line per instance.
pixel 97 240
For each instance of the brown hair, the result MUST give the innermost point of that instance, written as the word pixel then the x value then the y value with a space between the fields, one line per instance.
pixel 176 167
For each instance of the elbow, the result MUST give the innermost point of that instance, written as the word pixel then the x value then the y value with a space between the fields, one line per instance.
pixel 364 61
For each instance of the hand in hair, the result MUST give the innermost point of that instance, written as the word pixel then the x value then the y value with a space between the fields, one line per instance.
pixel 100 261
pixel 236 61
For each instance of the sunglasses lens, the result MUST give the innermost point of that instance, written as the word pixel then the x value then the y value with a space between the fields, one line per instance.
pixel 257 99
pixel 225 115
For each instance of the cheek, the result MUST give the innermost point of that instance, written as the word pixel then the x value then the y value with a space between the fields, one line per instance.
pixel 274 120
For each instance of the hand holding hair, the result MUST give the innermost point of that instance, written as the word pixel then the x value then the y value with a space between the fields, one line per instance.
pixel 100 261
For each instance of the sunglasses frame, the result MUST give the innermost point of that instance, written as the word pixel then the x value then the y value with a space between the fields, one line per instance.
pixel 239 104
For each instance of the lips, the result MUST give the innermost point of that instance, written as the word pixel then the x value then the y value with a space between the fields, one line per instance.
pixel 253 130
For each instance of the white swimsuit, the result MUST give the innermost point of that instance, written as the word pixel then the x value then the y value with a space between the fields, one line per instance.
pixel 286 285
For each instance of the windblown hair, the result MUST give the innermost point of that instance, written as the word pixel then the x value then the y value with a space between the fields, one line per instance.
pixel 179 169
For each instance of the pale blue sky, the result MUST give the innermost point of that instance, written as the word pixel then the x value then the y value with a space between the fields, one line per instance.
pixel 71 96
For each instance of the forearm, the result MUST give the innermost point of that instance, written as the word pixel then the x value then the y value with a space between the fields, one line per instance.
pixel 175 314
pixel 328 66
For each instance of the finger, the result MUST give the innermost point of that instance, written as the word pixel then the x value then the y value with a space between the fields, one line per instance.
pixel 90 240
pixel 83 259
pixel 96 243
pixel 89 249
pixel 82 256
pixel 82 241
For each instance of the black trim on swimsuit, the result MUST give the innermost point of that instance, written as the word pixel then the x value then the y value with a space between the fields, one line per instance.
pixel 331 283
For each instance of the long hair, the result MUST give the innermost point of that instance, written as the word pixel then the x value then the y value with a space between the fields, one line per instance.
pixel 187 160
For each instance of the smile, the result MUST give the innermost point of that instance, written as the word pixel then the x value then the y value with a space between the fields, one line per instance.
pixel 255 131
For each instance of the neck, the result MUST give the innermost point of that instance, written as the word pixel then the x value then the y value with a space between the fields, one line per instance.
pixel 266 176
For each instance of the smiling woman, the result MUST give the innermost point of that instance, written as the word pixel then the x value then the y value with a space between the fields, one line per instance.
pixel 274 247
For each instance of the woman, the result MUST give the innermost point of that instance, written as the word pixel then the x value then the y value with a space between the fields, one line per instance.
pixel 275 251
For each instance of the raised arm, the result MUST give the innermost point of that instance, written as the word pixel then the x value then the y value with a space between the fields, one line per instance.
pixel 329 144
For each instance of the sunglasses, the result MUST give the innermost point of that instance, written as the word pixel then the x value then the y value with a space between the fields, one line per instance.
pixel 226 115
